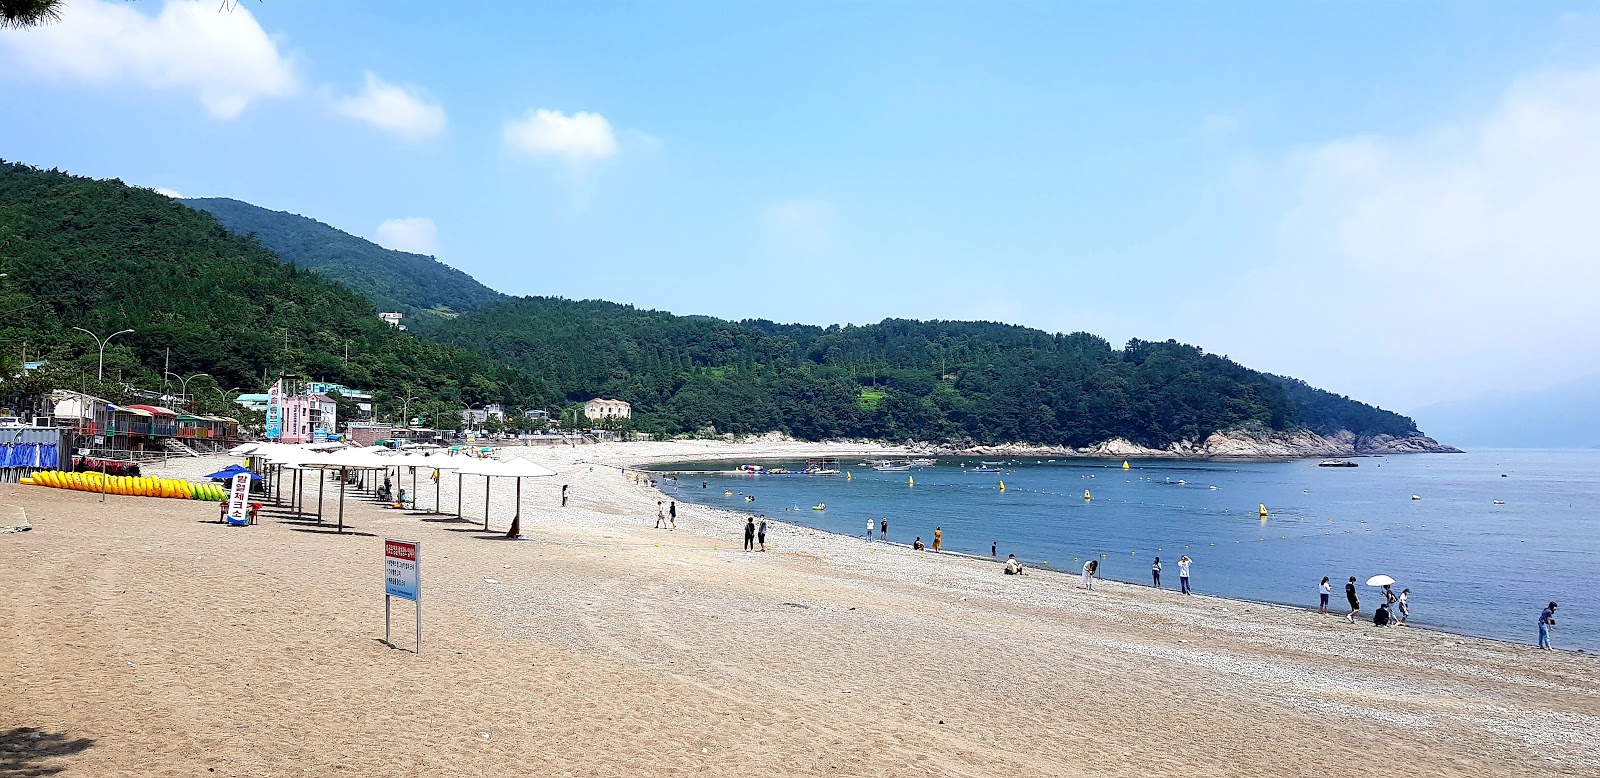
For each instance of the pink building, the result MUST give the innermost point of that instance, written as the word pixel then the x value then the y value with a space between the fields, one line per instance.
pixel 308 417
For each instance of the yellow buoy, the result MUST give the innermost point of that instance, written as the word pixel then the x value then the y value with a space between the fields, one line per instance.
pixel 1125 464
pixel 1086 495
pixel 911 481
pixel 1263 510
pixel 847 475
pixel 1002 486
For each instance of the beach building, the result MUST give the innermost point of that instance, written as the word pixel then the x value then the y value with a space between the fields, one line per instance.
pixel 600 408
pixel 254 402
pixel 368 433
pixel 361 397
pixel 477 417
pixel 101 424
pixel 308 417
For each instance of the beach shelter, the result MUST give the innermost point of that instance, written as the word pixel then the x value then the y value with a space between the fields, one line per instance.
pixel 509 468
pixel 438 462
pixel 343 461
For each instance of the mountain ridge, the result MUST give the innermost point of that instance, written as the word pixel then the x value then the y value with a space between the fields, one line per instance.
pixel 981 382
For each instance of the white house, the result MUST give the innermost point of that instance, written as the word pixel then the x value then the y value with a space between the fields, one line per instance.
pixel 598 408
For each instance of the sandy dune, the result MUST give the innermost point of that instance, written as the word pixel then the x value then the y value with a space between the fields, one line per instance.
pixel 141 639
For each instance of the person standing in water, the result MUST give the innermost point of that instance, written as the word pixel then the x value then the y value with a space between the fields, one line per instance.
pixel 938 538
pixel 1155 573
pixel 994 549
pixel 1183 572
pixel 1547 622
pixel 1323 590
pixel 1355 602
pixel 750 534
pixel 1090 568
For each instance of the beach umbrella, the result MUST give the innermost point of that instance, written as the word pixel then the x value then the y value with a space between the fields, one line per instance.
pixel 1380 580
pixel 436 462
pixel 510 468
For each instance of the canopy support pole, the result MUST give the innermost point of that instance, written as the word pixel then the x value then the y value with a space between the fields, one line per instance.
pixel 322 481
pixel 459 479
pixel 516 520
pixel 341 499
pixel 438 475
pixel 486 503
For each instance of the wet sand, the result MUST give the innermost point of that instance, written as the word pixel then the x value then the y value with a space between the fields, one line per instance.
pixel 140 638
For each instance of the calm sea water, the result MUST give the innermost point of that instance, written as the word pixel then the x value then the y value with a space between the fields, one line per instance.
pixel 1472 566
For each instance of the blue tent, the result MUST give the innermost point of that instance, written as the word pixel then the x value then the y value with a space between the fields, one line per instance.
pixel 227 473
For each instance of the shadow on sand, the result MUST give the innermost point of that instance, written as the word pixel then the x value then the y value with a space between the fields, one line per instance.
pixel 25 751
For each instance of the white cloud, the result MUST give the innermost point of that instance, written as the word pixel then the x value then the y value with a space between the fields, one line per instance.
pixel 1441 263
pixel 401 110
pixel 221 55
pixel 417 235
pixel 580 137
pixel 161 190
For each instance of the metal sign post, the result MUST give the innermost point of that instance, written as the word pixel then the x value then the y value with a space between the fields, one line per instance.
pixel 402 577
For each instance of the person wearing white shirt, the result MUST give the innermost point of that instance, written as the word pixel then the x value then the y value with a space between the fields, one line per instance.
pixel 1183 572
pixel 1325 589
pixel 1090 568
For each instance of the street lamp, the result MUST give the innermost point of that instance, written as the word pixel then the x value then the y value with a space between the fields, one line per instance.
pixel 100 372
pixel 183 383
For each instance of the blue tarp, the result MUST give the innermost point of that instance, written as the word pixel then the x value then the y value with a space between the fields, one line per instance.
pixel 227 473
pixel 40 455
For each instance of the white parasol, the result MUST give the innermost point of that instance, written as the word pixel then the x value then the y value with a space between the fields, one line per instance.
pixel 1380 580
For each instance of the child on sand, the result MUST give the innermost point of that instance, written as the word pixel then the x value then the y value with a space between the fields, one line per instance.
pixel 1155 573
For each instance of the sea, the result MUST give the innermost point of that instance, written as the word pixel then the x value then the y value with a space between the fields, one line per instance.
pixel 1484 540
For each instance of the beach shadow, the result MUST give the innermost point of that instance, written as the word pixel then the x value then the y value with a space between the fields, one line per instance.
pixel 477 528
pixel 449 520
pixel 327 529
pixel 502 536
pixel 24 751
pixel 393 647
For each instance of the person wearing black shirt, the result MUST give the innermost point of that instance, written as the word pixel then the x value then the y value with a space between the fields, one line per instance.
pixel 1355 602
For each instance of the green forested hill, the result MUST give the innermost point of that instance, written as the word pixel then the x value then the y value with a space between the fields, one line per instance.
pixel 105 256
pixel 393 280
pixel 897 379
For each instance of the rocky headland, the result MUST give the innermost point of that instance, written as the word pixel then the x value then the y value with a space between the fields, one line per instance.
pixel 1238 444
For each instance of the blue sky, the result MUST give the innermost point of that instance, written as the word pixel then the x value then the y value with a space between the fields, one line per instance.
pixel 1395 201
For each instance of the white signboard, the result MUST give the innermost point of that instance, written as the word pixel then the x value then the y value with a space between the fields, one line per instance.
pixel 238 497
pixel 402 569
pixel 402 577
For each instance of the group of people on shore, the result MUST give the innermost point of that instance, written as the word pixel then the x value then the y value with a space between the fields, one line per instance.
pixel 1394 609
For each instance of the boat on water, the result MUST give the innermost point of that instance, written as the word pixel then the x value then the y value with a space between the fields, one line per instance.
pixel 984 469
pixel 752 469
pixel 924 462
pixel 824 466
pixel 890 467
pixel 1336 463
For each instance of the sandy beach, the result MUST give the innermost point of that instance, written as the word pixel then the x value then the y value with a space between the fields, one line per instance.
pixel 142 639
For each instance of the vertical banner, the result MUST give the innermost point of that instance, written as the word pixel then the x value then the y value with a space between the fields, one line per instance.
pixel 238 498
pixel 275 411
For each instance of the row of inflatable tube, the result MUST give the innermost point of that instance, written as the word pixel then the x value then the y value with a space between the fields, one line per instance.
pixel 137 486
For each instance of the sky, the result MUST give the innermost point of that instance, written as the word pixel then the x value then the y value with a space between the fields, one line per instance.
pixel 1399 202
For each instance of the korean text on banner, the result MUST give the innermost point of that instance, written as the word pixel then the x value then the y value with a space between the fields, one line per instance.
pixel 238 496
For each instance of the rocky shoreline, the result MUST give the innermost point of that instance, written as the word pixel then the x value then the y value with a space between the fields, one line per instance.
pixel 1296 444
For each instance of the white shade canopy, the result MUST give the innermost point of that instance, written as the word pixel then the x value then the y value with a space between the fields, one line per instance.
pixel 510 468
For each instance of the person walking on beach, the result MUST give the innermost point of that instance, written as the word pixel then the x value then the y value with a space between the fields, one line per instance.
pixel 1404 603
pixel 1183 572
pixel 1323 590
pixel 870 525
pixel 761 533
pixel 1390 599
pixel 750 534
pixel 672 514
pixel 883 531
pixel 661 515
pixel 1355 602
pixel 1090 568
pixel 563 495
pixel 938 538
pixel 1155 573
pixel 1547 622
